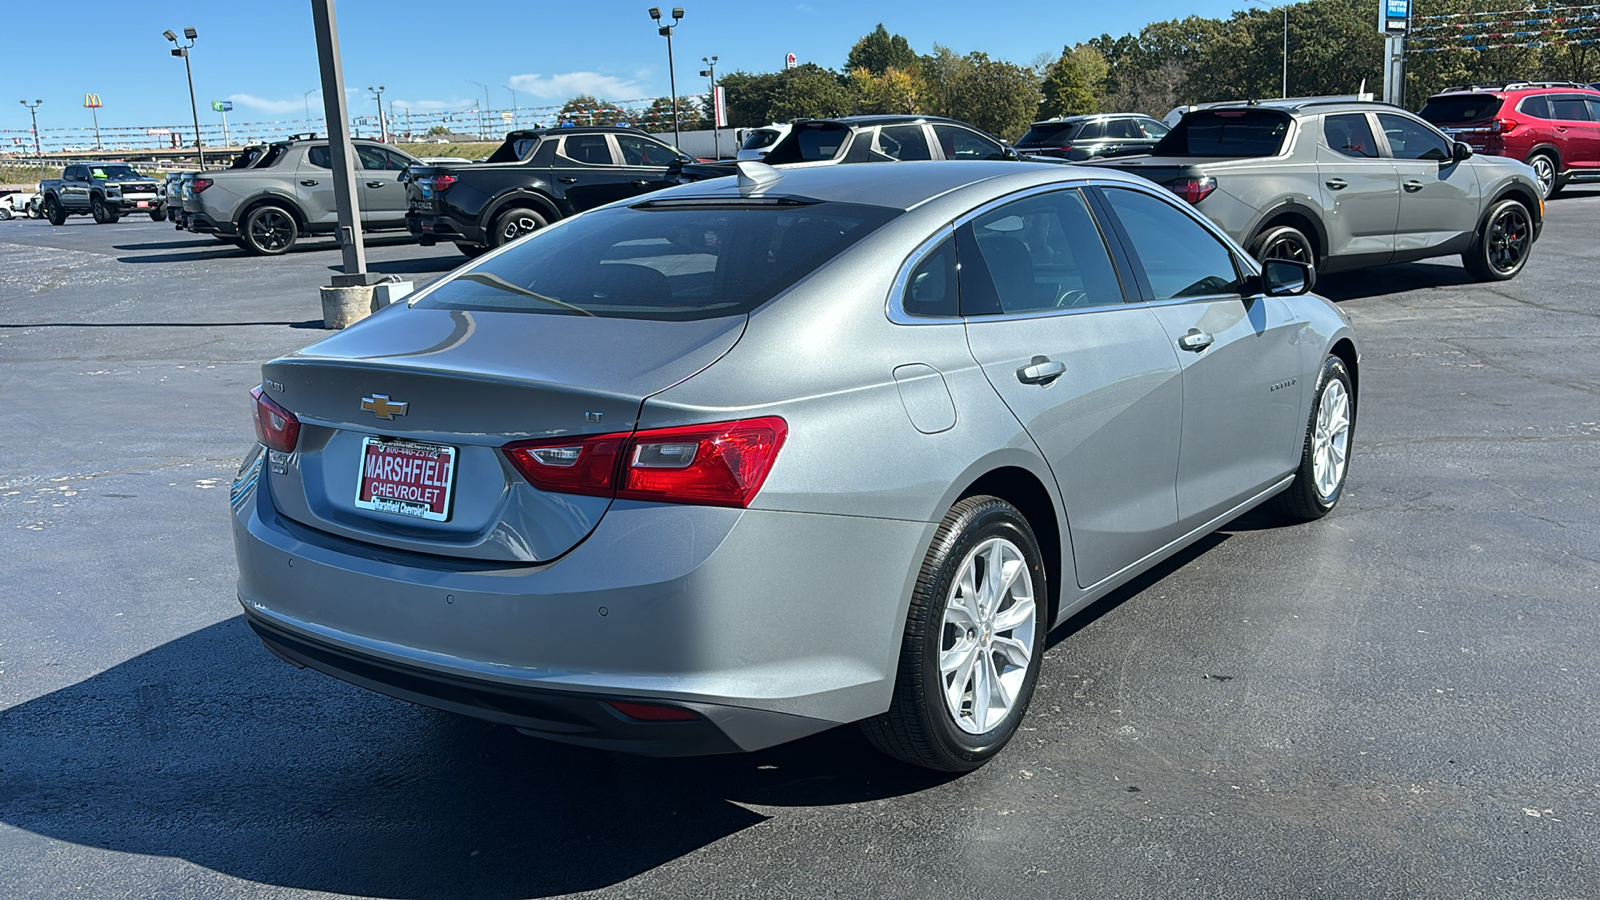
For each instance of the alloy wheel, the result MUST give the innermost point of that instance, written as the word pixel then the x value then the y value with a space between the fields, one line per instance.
pixel 270 230
pixel 1330 439
pixel 988 636
pixel 1287 248
pixel 1544 171
pixel 1510 235
pixel 518 227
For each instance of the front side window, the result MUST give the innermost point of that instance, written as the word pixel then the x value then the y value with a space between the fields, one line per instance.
pixel 662 262
pixel 590 149
pixel 371 159
pixel 1409 139
pixel 1351 135
pixel 1152 129
pixel 903 142
pixel 1037 254
pixel 1594 107
pixel 960 143
pixel 1179 258
pixel 641 151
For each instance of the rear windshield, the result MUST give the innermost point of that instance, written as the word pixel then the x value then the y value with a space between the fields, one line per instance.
pixel 810 142
pixel 1460 108
pixel 1226 132
pixel 1049 135
pixel 669 263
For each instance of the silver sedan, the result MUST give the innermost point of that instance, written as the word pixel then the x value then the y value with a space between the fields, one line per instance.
pixel 755 457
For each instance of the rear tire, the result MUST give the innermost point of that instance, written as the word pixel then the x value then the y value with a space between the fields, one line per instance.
pixel 1503 243
pixel 5 213
pixel 1325 454
pixel 1284 242
pixel 974 638
pixel 1547 173
pixel 269 230
pixel 54 212
pixel 514 223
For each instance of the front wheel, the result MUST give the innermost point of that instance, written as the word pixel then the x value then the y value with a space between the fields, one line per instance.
pixel 973 641
pixel 5 213
pixel 1325 454
pixel 102 212
pixel 1284 242
pixel 269 231
pixel 1503 244
pixel 157 215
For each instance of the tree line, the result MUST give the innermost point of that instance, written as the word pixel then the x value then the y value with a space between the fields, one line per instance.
pixel 1334 48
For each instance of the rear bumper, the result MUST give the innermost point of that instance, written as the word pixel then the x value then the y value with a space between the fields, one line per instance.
pixel 769 625
pixel 430 229
pixel 203 224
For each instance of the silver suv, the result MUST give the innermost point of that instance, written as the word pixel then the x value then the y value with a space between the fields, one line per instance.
pixel 289 192
pixel 1346 184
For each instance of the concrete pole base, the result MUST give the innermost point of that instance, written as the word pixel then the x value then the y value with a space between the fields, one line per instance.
pixel 345 306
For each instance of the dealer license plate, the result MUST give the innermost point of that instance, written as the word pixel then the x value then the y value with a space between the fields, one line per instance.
pixel 406 478
pixel 142 204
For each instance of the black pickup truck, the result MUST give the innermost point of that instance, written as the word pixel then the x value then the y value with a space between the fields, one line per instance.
pixel 533 179
pixel 104 190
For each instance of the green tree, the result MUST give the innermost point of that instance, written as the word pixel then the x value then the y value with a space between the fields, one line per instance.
pixel 657 117
pixel 438 129
pixel 750 97
pixel 586 110
pixel 997 96
pixel 809 91
pixel 1074 84
pixel 881 51
pixel 896 91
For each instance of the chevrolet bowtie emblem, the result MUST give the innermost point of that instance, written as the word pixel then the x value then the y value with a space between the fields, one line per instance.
pixel 381 406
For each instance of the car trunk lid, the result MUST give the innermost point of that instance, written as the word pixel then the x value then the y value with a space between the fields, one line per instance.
pixel 429 396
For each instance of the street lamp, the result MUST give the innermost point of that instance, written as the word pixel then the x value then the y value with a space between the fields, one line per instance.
pixel 672 77
pixel 383 124
pixel 710 72
pixel 483 132
pixel 307 98
pixel 32 111
pixel 516 108
pixel 1285 8
pixel 183 51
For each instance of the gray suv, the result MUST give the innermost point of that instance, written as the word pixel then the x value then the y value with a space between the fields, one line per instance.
pixel 1346 184
pixel 289 192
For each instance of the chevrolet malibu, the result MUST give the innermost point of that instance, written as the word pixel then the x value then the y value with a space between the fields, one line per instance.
pixel 754 457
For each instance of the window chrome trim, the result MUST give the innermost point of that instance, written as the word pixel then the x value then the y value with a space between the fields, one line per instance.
pixel 894 308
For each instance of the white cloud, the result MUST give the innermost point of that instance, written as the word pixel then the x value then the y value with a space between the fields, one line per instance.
pixel 267 105
pixel 565 85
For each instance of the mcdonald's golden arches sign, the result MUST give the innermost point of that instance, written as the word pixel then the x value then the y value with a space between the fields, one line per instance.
pixel 91 101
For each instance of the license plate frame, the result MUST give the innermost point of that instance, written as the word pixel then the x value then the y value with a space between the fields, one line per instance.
pixel 417 492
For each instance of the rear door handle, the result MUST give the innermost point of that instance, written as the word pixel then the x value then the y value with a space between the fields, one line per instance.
pixel 309 182
pixel 1196 340
pixel 567 179
pixel 1042 370
pixel 374 184
pixel 1336 184
pixel 1413 186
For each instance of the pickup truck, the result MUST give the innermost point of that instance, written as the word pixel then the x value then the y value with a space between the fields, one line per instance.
pixel 533 179
pixel 103 190
pixel 287 191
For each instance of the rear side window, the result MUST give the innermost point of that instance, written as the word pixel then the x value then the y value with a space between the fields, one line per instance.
pixel 665 263
pixel 1351 135
pixel 1152 129
pixel 1038 254
pixel 761 137
pixel 591 149
pixel 1226 132
pixel 318 156
pixel 1454 109
pixel 1535 107
pixel 1050 135
pixel 1179 257
pixel 810 142
pixel 931 287
pixel 1568 108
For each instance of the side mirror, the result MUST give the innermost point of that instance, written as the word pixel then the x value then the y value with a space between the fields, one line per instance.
pixel 1460 151
pixel 1286 277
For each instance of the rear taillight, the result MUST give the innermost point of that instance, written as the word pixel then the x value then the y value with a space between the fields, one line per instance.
pixel 442 182
pixel 200 184
pixel 1192 189
pixel 1504 126
pixel 276 427
pixel 723 464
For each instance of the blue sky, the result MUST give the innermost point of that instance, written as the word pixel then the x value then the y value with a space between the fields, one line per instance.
pixel 262 55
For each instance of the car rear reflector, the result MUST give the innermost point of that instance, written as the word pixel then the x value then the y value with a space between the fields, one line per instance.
pixel 650 712
pixel 442 182
pixel 1192 189
pixel 721 464
pixel 276 427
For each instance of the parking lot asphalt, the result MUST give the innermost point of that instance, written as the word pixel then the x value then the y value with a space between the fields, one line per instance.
pixel 1397 700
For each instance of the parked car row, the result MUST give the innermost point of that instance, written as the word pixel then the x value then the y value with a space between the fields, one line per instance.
pixel 1553 126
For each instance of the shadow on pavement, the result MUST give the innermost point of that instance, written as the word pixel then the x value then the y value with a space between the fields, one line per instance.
pixel 1391 280
pixel 175 245
pixel 410 266
pixel 208 749
pixel 1089 614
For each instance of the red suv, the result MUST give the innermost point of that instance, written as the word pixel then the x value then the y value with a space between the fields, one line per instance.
pixel 1553 126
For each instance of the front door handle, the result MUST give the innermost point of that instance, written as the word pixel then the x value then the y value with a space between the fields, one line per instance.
pixel 309 182
pixel 374 184
pixel 1336 184
pixel 567 179
pixel 1196 340
pixel 1412 186
pixel 640 182
pixel 1042 370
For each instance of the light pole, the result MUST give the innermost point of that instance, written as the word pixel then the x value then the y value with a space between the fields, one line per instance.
pixel 716 132
pixel 183 51
pixel 672 77
pixel 1285 8
pixel 307 98
pixel 516 108
pixel 383 124
pixel 32 111
pixel 483 133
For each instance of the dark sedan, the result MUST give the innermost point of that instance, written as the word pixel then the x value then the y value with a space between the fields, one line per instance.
pixel 1078 138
